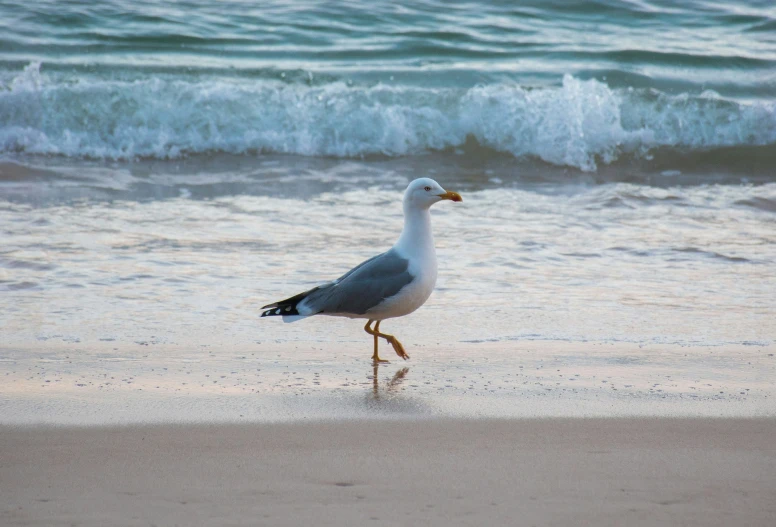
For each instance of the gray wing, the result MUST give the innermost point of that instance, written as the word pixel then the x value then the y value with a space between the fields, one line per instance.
pixel 363 287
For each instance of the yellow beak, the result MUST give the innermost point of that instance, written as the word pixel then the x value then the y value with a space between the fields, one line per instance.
pixel 452 196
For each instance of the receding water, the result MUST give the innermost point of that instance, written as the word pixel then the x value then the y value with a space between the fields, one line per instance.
pixel 582 261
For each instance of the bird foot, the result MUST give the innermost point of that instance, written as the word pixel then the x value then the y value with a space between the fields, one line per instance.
pixel 378 360
pixel 399 349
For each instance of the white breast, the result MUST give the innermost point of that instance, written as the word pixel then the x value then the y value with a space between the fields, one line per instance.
pixel 413 295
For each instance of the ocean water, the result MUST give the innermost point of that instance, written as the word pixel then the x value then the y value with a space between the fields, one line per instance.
pixel 167 168
pixel 575 84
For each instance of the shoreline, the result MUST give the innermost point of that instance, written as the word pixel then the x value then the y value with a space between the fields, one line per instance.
pixel 69 384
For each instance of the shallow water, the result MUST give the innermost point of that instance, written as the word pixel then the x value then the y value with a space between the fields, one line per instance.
pixel 611 262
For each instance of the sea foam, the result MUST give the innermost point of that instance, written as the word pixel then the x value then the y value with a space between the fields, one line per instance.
pixel 580 123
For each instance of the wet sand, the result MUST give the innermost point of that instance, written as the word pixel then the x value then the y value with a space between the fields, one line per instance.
pixel 703 472
pixel 115 384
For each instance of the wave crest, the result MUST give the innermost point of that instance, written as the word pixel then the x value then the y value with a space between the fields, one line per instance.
pixel 578 124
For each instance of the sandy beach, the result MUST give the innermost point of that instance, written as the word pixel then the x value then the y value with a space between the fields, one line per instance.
pixel 690 472
pixel 600 345
pixel 530 433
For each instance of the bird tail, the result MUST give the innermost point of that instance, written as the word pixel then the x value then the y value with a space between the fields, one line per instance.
pixel 288 308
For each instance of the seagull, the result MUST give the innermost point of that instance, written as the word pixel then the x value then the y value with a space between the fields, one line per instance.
pixel 389 285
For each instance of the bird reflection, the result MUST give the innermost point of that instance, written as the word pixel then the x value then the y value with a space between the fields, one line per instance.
pixel 391 385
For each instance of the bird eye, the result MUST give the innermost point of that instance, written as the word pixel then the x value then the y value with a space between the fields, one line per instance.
pixel 427 189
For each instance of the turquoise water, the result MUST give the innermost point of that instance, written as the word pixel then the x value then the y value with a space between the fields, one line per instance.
pixel 570 84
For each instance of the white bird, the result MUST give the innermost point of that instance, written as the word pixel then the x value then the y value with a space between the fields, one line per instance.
pixel 389 285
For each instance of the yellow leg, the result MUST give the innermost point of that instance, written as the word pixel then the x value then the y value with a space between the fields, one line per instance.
pixel 375 357
pixel 397 347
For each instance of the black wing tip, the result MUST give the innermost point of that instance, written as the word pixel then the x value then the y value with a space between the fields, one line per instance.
pixel 280 311
pixel 285 307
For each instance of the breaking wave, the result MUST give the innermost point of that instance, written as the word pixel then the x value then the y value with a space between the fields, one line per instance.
pixel 581 123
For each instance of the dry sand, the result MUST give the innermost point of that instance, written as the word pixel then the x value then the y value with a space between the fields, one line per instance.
pixel 564 472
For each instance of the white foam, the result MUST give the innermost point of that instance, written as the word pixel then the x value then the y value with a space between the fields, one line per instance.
pixel 578 124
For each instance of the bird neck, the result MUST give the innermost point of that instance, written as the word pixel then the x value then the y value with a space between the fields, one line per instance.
pixel 416 235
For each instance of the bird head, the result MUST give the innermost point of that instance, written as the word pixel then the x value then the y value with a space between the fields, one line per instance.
pixel 424 192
